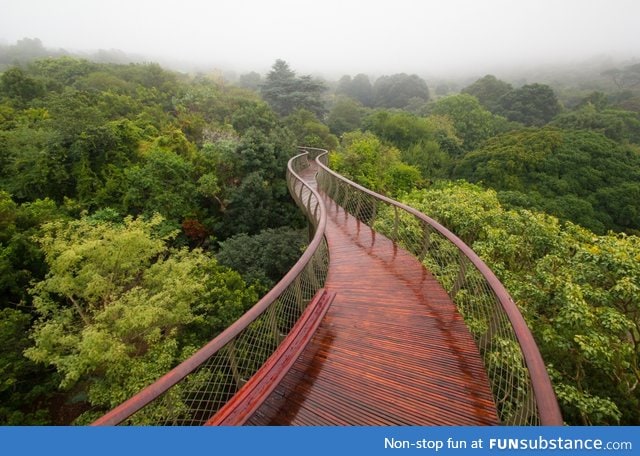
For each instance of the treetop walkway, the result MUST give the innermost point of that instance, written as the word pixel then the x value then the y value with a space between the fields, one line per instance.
pixel 386 319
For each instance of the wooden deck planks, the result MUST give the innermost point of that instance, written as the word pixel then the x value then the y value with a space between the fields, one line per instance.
pixel 391 350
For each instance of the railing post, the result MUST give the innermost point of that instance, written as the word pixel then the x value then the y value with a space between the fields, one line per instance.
pixel 331 191
pixel 313 278
pixel 273 322
pixel 309 203
pixel 345 203
pixel 233 362
pixel 357 210
pixel 300 195
pixel 460 278
pixel 299 295
pixel 426 242
pixel 396 220
pixel 375 213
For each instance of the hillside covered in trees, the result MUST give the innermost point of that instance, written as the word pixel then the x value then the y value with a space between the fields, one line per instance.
pixel 142 211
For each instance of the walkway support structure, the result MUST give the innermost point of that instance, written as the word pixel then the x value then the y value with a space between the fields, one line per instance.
pixel 199 387
pixel 519 380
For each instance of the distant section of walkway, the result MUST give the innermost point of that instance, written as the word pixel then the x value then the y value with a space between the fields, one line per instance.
pixel 391 350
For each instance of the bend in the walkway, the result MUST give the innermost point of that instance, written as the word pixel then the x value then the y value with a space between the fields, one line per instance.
pixel 391 350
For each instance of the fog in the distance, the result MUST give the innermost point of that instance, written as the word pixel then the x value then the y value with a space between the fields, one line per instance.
pixel 335 37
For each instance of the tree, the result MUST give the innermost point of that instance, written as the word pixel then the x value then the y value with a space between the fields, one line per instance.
pixel 163 183
pixel 488 90
pixel 62 71
pixel 24 51
pixel 429 158
pixel 560 171
pixel 628 77
pixel 264 257
pixel 531 105
pixel 359 88
pixel 344 85
pixel 363 158
pixel 472 122
pixel 285 92
pixel 400 128
pixel 119 308
pixel 252 182
pixel 21 261
pixel 35 163
pixel 397 91
pixel 598 100
pixel 250 81
pixel 345 115
pixel 309 131
pixel 17 374
pixel 258 116
pixel 618 125
pixel 16 85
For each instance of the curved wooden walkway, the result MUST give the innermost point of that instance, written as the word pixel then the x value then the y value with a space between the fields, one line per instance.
pixel 391 350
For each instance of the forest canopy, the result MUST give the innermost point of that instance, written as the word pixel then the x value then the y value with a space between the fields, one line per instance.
pixel 133 201
pixel 118 185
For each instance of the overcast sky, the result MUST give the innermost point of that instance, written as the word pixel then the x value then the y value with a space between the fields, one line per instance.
pixel 335 36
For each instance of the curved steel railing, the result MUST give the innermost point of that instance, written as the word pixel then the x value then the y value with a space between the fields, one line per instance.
pixel 197 388
pixel 520 383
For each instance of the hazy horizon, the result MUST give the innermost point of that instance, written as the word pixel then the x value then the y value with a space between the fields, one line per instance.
pixel 333 37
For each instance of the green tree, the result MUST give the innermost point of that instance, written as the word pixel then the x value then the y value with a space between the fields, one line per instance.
pixel 618 125
pixel 21 380
pixel 24 51
pixel 21 261
pixel 258 116
pixel 488 90
pixel 309 131
pixel 429 158
pixel 556 168
pixel 162 183
pixel 62 71
pixel 119 308
pixel 345 115
pixel 19 87
pixel 473 123
pixel 253 187
pixel 598 100
pixel 359 88
pixel 401 129
pixel 285 92
pixel 628 77
pixel 531 105
pixel 398 90
pixel 363 158
pixel 250 81
pixel 265 257
pixel 35 163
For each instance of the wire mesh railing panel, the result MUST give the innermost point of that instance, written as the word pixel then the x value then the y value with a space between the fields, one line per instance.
pixel 520 385
pixel 195 390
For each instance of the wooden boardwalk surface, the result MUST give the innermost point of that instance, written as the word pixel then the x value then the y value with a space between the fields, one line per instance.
pixel 391 350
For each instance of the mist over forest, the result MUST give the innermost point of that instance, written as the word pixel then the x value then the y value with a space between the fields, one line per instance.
pixel 585 73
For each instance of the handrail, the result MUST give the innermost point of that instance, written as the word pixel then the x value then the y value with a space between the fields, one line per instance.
pixel 255 392
pixel 520 383
pixel 197 388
